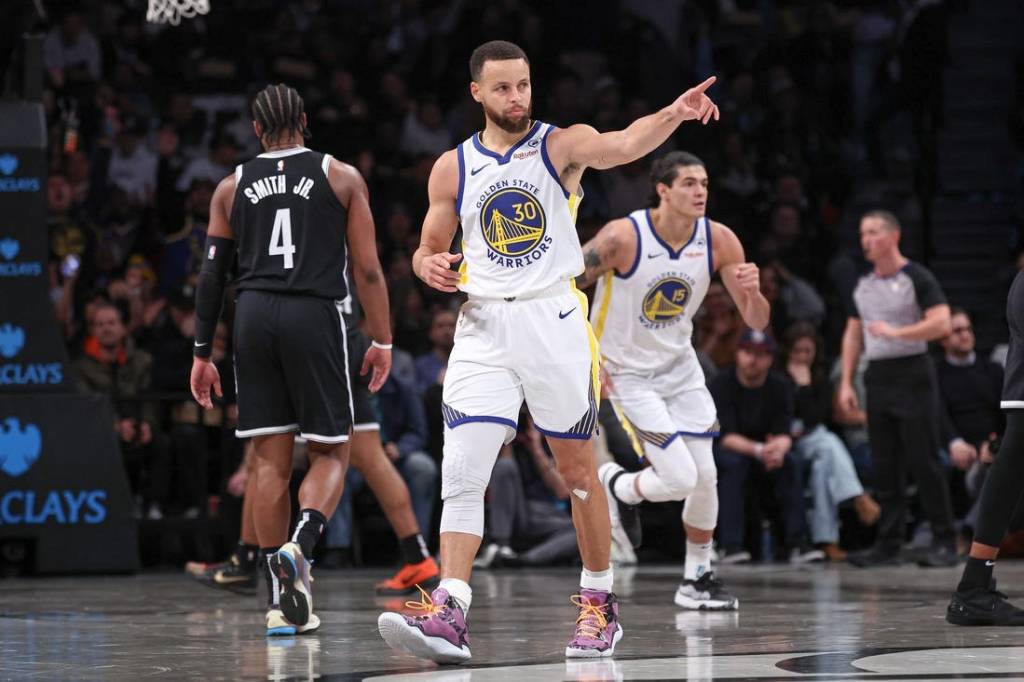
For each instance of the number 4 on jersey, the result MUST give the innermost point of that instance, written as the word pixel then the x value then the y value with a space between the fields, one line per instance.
pixel 281 238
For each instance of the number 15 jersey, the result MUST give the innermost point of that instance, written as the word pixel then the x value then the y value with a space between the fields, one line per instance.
pixel 518 222
pixel 289 226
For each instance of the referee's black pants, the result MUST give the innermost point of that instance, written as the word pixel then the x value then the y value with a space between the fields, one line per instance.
pixel 902 411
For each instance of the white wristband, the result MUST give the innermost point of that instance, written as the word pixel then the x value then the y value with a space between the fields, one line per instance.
pixel 382 346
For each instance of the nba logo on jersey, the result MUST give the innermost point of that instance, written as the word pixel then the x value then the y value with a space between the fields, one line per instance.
pixel 212 252
pixel 280 166
pixel 513 224
pixel 665 301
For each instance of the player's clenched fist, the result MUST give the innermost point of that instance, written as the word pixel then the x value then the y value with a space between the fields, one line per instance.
pixel 748 277
pixel 437 273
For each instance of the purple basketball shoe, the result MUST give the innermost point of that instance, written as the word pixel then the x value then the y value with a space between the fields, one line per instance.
pixel 441 635
pixel 597 625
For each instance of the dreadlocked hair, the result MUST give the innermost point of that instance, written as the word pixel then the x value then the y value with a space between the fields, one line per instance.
pixel 279 109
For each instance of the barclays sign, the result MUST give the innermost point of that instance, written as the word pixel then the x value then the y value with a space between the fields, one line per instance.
pixel 20 447
pixel 12 340
pixel 10 183
pixel 9 250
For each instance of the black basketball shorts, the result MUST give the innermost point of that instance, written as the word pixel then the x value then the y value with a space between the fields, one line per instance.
pixel 1013 379
pixel 292 367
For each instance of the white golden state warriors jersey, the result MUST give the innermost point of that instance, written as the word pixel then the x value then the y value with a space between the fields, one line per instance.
pixel 518 222
pixel 644 318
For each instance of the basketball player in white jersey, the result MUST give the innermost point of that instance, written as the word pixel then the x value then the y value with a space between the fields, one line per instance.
pixel 652 270
pixel 523 334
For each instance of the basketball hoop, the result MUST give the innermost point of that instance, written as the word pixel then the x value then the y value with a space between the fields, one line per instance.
pixel 171 11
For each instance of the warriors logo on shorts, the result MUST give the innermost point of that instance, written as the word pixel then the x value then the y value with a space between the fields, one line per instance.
pixel 514 226
pixel 665 301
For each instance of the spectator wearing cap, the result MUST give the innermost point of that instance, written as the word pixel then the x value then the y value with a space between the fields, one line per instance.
pixel 897 308
pixel 755 452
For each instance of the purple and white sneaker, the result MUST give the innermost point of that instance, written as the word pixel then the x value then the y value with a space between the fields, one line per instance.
pixel 597 625
pixel 440 636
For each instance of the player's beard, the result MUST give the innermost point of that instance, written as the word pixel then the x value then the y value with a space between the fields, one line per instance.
pixel 507 124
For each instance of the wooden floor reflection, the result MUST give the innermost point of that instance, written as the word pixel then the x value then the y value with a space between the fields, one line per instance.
pixel 815 623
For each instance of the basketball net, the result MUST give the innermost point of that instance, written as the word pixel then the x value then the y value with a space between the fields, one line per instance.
pixel 171 11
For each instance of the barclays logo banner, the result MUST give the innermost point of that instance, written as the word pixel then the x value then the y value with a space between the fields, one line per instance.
pixel 8 164
pixel 9 250
pixel 10 183
pixel 12 341
pixel 19 446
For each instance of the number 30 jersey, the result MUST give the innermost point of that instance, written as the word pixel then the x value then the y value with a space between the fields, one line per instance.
pixel 518 222
pixel 289 226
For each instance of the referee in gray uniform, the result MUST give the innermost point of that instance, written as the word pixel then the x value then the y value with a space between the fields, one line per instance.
pixel 897 309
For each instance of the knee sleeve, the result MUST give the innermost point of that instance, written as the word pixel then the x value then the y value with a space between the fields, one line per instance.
pixel 470 451
pixel 701 508
pixel 673 475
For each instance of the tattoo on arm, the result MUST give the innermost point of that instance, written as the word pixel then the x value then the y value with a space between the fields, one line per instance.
pixel 595 261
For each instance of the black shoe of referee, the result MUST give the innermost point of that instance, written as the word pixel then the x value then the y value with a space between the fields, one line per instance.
pixel 983 606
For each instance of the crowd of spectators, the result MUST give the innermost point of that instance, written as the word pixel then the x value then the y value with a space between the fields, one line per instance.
pixel 144 120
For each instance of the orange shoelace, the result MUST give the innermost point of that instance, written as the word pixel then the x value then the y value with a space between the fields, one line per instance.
pixel 425 604
pixel 584 622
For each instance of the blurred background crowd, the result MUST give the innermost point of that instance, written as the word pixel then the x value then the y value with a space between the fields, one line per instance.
pixel 828 109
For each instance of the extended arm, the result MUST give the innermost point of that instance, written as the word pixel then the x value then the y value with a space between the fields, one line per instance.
pixel 581 146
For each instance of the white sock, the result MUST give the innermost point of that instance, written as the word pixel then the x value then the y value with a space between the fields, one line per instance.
pixel 698 560
pixel 625 489
pixel 460 590
pixel 600 581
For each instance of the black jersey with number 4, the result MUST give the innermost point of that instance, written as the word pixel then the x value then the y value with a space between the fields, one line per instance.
pixel 289 226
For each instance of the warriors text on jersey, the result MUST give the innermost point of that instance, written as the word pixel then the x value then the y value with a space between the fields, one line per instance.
pixel 644 318
pixel 518 221
pixel 289 225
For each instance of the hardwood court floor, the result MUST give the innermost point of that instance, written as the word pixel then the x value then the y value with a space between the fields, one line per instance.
pixel 814 623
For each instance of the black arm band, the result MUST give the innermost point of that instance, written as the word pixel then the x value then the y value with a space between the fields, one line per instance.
pixel 219 253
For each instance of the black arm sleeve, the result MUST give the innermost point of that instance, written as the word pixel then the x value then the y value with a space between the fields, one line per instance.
pixel 210 291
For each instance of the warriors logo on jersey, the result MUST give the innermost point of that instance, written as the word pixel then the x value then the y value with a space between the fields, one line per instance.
pixel 666 300
pixel 668 295
pixel 513 224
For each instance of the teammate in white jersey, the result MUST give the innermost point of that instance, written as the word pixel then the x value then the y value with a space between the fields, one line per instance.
pixel 652 270
pixel 523 334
